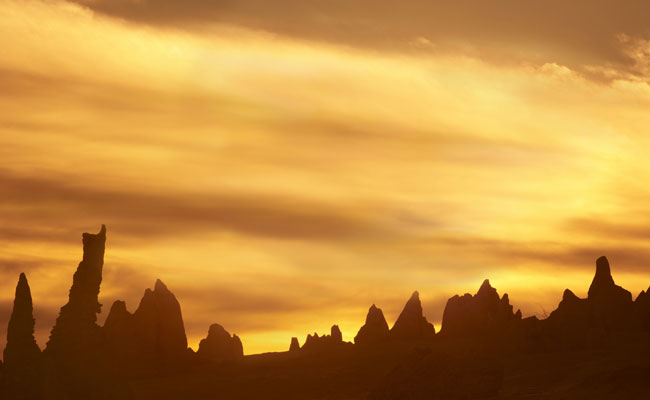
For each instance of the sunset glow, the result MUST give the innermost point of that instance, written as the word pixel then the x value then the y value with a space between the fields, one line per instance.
pixel 279 180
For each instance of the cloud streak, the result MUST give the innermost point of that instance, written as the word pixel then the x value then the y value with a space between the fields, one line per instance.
pixel 577 34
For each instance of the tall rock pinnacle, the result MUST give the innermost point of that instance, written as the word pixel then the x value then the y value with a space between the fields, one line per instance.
pixel 375 330
pixel 411 323
pixel 78 317
pixel 22 355
pixel 77 356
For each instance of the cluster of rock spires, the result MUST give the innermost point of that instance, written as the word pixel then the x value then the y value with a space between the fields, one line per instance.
pixel 83 360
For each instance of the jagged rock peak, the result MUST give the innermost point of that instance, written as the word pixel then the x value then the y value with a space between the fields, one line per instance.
pixel 375 329
pixel 220 346
pixel 411 323
pixel 486 287
pixel 160 286
pixel 485 312
pixel 569 296
pixel 325 342
pixel 21 346
pixel 295 345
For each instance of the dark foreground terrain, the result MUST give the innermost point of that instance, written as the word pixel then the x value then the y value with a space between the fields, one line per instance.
pixel 593 348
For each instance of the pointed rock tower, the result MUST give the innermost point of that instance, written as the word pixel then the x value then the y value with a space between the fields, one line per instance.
pixel 583 323
pixel 411 323
pixel 603 285
pixel 22 355
pixel 220 346
pixel 481 314
pixel 610 303
pixel 375 330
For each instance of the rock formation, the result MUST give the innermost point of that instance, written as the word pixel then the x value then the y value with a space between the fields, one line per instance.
pixel 481 314
pixel 153 338
pixel 295 346
pixel 375 330
pixel 220 346
pixel 610 303
pixel 411 323
pixel 579 323
pixel 326 342
pixel 77 356
pixel 21 355
pixel 642 310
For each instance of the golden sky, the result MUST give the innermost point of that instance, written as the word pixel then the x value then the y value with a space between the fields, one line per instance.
pixel 283 168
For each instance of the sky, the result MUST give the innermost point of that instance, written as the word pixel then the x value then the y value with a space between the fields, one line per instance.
pixel 284 165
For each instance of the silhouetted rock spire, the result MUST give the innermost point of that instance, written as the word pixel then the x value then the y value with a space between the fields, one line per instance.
pixel 220 346
pixel 21 345
pixel 78 316
pixel 375 330
pixel 21 355
pixel 159 314
pixel 603 279
pixel 151 339
pixel 77 356
pixel 603 285
pixel 295 345
pixel 411 323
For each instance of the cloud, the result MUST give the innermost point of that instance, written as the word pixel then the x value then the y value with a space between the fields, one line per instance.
pixel 578 34
pixel 147 215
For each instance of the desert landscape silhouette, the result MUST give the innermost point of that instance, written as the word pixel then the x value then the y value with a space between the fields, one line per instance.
pixel 592 348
